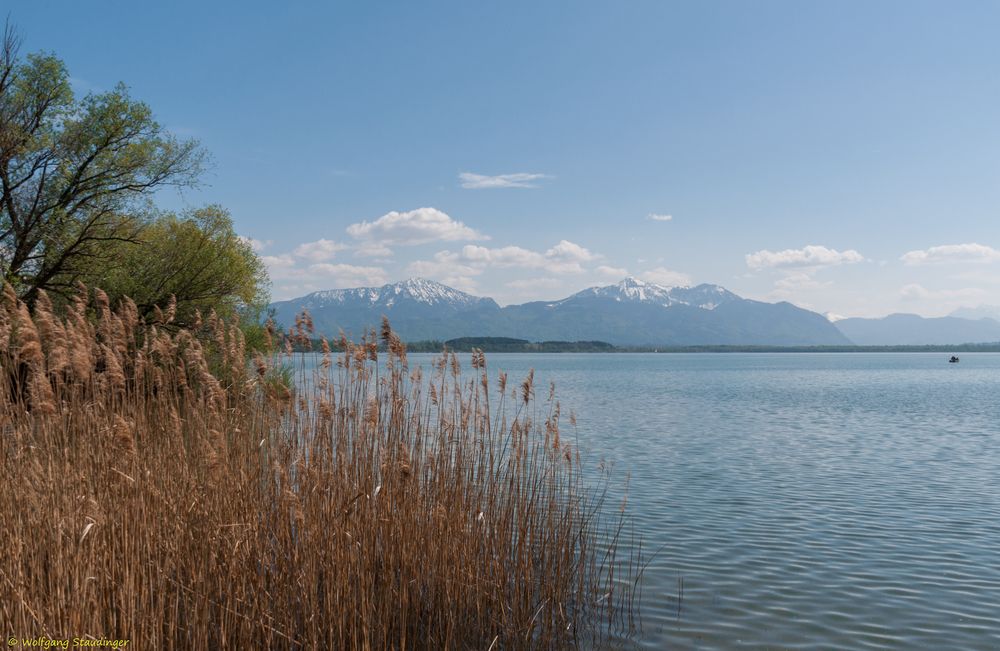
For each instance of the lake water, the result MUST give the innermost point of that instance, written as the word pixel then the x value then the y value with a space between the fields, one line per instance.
pixel 807 501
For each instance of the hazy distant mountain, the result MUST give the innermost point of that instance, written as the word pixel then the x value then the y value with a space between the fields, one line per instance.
pixel 981 312
pixel 631 312
pixel 913 330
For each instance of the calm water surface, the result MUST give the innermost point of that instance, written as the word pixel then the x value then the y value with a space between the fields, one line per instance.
pixel 808 501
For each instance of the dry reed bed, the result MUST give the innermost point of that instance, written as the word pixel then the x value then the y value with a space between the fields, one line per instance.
pixel 158 488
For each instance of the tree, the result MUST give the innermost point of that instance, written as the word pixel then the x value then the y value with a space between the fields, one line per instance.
pixel 197 258
pixel 76 175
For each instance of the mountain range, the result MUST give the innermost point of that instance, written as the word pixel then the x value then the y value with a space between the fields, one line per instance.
pixel 631 312
pixel 914 330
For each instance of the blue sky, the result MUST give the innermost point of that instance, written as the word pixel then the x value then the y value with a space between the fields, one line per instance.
pixel 844 156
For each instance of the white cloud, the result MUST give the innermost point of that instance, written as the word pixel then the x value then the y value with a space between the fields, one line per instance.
pixel 448 268
pixel 304 270
pixel 472 181
pixel 659 217
pixel 566 250
pixel 808 256
pixel 283 261
pixel 565 257
pixel 507 256
pixel 256 245
pixel 916 292
pixel 319 251
pixel 666 277
pixel 913 292
pixel 971 252
pixel 418 226
pixel 444 264
pixel 612 272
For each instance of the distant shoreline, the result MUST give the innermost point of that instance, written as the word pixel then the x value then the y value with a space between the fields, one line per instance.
pixel 505 345
pixel 509 345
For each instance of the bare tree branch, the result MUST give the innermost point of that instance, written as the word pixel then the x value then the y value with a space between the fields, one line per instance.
pixel 74 174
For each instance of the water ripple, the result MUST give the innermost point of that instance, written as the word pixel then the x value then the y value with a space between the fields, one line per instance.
pixel 807 501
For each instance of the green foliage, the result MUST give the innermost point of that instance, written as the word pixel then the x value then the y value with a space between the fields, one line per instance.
pixel 77 178
pixel 254 332
pixel 279 380
pixel 197 258
pixel 76 174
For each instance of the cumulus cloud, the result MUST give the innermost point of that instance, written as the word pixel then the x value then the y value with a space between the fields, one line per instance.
pixel 307 268
pixel 970 252
pixel 292 277
pixel 472 181
pixel 566 250
pixel 659 217
pixel 808 256
pixel 666 277
pixel 319 251
pixel 565 257
pixel 283 267
pixel 418 226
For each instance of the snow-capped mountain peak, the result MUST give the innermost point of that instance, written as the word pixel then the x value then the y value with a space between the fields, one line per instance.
pixel 632 289
pixel 418 290
pixel 630 312
pixel 629 289
pixel 704 296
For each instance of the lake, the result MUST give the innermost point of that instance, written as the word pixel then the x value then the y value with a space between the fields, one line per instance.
pixel 843 501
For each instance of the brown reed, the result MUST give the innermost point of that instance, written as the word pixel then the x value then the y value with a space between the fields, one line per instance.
pixel 161 487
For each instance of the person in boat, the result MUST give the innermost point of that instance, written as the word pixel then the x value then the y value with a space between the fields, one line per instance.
pixel 953 359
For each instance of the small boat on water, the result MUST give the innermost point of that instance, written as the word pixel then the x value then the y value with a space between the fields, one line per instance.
pixel 953 360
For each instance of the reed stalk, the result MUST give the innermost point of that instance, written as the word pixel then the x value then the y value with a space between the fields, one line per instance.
pixel 161 488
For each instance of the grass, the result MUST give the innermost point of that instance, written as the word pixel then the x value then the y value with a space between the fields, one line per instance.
pixel 161 489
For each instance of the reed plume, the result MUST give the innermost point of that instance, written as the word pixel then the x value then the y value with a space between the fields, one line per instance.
pixel 167 488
